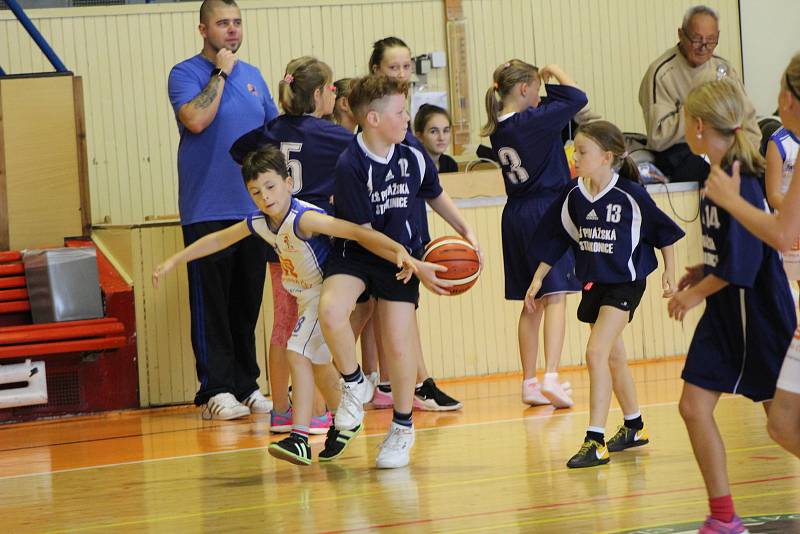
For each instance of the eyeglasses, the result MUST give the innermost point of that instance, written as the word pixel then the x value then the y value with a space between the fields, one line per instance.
pixel 698 43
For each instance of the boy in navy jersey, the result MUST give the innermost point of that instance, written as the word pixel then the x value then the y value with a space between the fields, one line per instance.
pixel 311 146
pixel 298 232
pixel 378 180
pixel 748 322
pixel 612 225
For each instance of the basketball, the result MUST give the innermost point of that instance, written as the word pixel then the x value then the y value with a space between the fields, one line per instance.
pixel 462 262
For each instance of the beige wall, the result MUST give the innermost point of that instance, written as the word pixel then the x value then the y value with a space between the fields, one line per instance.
pixel 124 54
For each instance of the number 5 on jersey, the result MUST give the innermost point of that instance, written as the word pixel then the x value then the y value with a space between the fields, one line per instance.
pixel 294 165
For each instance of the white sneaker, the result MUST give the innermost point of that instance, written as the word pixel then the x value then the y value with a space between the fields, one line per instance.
pixel 532 393
pixel 351 408
pixel 224 406
pixel 396 447
pixel 258 403
pixel 559 395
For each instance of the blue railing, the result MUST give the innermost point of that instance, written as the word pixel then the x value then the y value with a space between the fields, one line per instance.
pixel 40 41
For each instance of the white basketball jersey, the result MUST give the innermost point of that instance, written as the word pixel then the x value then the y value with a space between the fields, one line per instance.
pixel 301 259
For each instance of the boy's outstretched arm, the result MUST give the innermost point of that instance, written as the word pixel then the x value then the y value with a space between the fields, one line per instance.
pixel 312 223
pixel 204 246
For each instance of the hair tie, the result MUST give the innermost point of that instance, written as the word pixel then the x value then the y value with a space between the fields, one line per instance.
pixel 288 78
pixel 506 65
pixel 495 86
pixel 736 129
pixel 625 155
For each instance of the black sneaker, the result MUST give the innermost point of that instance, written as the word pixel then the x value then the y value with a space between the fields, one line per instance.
pixel 591 454
pixel 625 438
pixel 430 398
pixel 337 442
pixel 292 449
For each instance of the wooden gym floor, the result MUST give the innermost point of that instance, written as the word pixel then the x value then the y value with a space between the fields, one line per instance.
pixel 495 466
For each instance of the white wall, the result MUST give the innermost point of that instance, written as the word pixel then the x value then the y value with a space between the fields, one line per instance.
pixel 769 39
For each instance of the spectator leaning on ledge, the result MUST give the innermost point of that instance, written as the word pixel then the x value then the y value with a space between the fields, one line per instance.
pixel 667 82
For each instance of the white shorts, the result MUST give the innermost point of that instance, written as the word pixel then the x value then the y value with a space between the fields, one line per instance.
pixel 306 338
pixel 789 379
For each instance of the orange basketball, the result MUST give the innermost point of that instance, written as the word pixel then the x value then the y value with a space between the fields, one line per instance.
pixel 462 261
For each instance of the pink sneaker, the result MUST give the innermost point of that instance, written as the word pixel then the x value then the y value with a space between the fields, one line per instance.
pixel 559 395
pixel 715 526
pixel 321 424
pixel 532 393
pixel 382 399
pixel 280 423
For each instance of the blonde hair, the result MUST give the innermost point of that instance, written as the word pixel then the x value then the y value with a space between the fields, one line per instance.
pixel 791 77
pixel 505 77
pixel 303 76
pixel 364 91
pixel 721 105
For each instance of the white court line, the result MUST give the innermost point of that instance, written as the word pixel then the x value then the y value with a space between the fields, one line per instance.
pixel 249 449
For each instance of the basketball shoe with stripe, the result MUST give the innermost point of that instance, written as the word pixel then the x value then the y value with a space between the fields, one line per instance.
pixel 590 454
pixel 292 449
pixel 224 406
pixel 625 438
pixel 336 442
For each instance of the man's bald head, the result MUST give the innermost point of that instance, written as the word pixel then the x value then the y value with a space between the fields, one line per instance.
pixel 208 6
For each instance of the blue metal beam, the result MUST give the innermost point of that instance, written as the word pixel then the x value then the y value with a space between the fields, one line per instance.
pixel 23 19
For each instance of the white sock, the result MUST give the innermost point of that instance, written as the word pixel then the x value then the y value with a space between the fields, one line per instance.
pixel 631 417
pixel 598 429
pixel 530 381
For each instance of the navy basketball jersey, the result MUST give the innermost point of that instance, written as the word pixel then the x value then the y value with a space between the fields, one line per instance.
pixel 311 147
pixel 612 233
pixel 420 211
pixel 382 191
pixel 528 144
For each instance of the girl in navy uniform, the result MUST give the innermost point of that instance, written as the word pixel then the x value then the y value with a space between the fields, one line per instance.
pixel 311 146
pixel 613 227
pixel 377 181
pixel 779 230
pixel 526 140
pixel 749 318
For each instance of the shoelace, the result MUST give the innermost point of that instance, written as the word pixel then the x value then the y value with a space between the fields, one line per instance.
pixel 394 440
pixel 349 403
pixel 586 446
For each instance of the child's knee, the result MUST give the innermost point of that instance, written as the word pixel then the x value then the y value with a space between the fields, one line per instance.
pixel 333 313
pixel 596 356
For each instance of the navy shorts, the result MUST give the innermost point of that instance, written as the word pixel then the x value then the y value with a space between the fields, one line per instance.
pixel 520 218
pixel 377 274
pixel 625 296
pixel 739 347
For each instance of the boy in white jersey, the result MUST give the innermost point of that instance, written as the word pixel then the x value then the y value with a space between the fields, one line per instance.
pixel 299 233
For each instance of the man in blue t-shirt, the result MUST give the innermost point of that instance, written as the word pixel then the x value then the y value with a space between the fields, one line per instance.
pixel 216 99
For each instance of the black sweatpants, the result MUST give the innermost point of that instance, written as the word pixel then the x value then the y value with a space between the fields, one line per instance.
pixel 225 292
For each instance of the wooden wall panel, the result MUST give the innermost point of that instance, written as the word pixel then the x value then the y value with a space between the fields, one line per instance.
pixel 124 54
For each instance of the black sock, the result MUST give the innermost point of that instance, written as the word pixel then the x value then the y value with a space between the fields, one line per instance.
pixel 403 419
pixel 355 376
pixel 386 388
pixel 596 436
pixel 635 424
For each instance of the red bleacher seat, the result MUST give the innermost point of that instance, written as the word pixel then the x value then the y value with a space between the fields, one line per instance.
pixel 80 381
